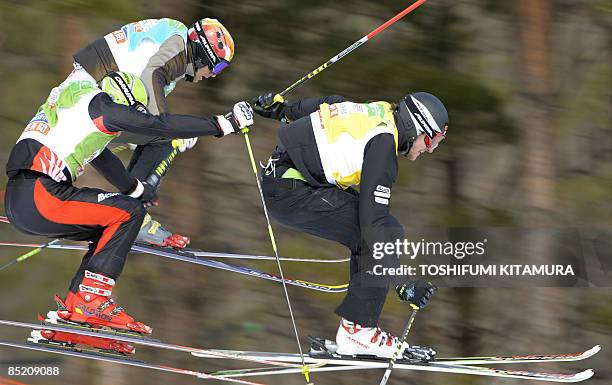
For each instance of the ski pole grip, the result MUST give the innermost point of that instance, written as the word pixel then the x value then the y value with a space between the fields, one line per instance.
pixel 278 98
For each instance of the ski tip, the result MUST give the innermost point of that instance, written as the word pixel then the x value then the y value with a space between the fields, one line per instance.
pixel 589 353
pixel 584 375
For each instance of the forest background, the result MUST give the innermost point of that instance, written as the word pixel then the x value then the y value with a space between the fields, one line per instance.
pixel 528 86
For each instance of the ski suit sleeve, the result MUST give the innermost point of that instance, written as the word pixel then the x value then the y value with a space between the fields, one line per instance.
pixel 377 176
pixel 113 170
pixel 299 108
pixel 97 59
pixel 167 65
pixel 114 117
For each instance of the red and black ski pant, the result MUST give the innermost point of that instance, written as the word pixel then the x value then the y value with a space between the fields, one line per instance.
pixel 36 204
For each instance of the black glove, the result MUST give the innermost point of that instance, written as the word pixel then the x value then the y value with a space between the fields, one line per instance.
pixel 145 193
pixel 417 293
pixel 269 106
pixel 149 195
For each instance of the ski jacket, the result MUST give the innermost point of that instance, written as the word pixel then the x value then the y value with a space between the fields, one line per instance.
pixel 76 123
pixel 156 50
pixel 348 144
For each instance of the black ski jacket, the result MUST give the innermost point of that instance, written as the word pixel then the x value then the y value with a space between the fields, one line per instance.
pixel 379 170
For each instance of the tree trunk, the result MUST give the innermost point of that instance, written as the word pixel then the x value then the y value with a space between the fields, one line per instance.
pixel 542 308
pixel 535 21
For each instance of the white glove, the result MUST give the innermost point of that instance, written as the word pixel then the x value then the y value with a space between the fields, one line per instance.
pixel 236 121
pixel 185 144
pixel 243 113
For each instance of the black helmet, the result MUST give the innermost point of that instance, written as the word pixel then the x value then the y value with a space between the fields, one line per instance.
pixel 422 112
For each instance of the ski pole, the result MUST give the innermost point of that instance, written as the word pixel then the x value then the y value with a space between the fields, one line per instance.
pixel 305 371
pixel 349 49
pixel 29 254
pixel 279 98
pixel 398 350
pixel 162 168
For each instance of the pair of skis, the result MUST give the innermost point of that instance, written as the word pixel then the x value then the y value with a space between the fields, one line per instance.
pixel 204 258
pixel 321 361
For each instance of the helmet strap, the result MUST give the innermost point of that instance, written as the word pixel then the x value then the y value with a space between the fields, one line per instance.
pixel 406 128
pixel 203 50
pixel 123 87
pixel 199 57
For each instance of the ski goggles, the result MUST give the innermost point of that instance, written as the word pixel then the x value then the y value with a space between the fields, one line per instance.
pixel 219 67
pixel 215 63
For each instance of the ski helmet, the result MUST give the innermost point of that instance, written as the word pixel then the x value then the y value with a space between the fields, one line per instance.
pixel 422 112
pixel 212 44
pixel 125 88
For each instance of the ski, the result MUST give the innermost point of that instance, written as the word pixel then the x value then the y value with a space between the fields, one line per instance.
pixel 523 358
pixel 194 252
pixel 430 367
pixel 324 348
pixel 337 359
pixel 458 365
pixel 356 361
pixel 200 253
pixel 190 257
pixel 139 340
pixel 123 361
pixel 343 360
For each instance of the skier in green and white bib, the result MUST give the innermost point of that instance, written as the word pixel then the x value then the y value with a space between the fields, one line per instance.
pixel 70 130
pixel 162 53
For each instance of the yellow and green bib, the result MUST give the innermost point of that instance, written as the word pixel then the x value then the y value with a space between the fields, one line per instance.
pixel 343 130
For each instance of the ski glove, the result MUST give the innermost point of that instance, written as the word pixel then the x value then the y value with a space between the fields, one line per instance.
pixel 237 121
pixel 269 106
pixel 184 144
pixel 145 193
pixel 417 293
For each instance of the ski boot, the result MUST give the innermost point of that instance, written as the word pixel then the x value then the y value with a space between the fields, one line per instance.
pixel 354 340
pixel 90 308
pixel 93 307
pixel 152 233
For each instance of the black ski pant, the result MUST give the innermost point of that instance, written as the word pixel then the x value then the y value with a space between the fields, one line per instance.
pixel 330 213
pixel 36 204
pixel 151 159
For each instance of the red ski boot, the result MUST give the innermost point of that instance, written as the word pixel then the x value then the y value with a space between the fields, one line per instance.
pixel 93 306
